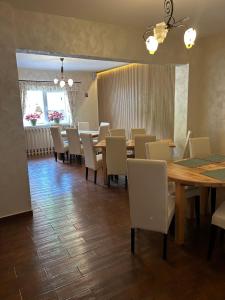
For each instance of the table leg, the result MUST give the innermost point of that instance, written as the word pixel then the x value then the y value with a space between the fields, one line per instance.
pixel 204 195
pixel 104 166
pixel 179 213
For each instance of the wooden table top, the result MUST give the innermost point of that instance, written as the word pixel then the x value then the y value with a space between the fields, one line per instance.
pixel 130 144
pixel 193 176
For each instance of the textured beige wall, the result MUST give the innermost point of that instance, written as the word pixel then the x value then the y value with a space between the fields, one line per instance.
pixel 180 107
pixel 14 189
pixel 86 108
pixel 50 33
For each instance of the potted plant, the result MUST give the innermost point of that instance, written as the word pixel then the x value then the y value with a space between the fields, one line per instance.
pixel 32 118
pixel 55 116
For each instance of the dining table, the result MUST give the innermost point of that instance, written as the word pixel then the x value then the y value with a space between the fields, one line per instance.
pixel 206 174
pixel 94 133
pixel 130 146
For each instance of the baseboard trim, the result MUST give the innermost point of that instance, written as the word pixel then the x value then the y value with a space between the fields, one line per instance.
pixel 16 216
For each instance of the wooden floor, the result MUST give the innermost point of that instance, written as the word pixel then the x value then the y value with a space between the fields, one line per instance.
pixel 77 246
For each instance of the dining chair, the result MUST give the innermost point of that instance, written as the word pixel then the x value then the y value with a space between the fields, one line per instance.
pixel 139 144
pixel 199 147
pixel 151 206
pixel 185 150
pixel 116 157
pixel 117 132
pixel 103 132
pixel 83 126
pixel 135 131
pixel 158 150
pixel 75 147
pixel 218 221
pixel 93 161
pixel 60 146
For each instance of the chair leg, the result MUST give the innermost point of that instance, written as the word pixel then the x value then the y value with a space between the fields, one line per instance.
pixel 109 177
pixel 125 182
pixel 132 235
pixel 221 235
pixel 95 180
pixel 212 239
pixel 63 157
pixel 213 200
pixel 55 154
pixel 70 158
pixel 86 173
pixel 67 155
pixel 164 246
pixel 197 209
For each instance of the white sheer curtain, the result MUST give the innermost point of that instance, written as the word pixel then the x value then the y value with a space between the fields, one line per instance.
pixel 139 96
pixel 44 86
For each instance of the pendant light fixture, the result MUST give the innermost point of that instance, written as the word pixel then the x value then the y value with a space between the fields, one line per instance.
pixel 62 81
pixel 156 34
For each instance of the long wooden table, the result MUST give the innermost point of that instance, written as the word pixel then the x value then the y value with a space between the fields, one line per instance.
pixel 130 146
pixel 183 176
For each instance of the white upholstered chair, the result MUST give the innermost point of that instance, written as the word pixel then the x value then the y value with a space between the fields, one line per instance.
pixel 199 147
pixel 83 126
pixel 103 132
pixel 75 147
pixel 117 132
pixel 116 157
pixel 139 144
pixel 158 150
pixel 218 221
pixel 92 161
pixel 60 147
pixel 104 123
pixel 135 131
pixel 151 206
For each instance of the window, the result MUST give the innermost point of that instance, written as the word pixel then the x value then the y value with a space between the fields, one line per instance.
pixel 45 102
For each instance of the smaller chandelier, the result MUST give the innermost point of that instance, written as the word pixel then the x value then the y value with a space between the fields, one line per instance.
pixel 62 81
pixel 156 35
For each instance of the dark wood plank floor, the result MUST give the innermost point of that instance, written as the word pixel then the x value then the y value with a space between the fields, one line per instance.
pixel 77 246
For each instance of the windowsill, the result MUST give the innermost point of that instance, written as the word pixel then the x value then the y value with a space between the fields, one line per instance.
pixel 46 125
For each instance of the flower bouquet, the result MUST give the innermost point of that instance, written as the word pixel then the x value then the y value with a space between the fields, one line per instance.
pixel 55 116
pixel 32 118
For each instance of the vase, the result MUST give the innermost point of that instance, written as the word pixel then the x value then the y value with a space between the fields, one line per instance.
pixel 33 122
pixel 56 121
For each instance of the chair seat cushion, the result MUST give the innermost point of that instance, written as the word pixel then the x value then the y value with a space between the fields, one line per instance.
pixel 218 217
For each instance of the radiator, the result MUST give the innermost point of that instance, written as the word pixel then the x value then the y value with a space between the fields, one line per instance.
pixel 38 140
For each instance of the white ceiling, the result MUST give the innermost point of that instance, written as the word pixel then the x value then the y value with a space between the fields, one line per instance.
pixel 206 15
pixel 52 63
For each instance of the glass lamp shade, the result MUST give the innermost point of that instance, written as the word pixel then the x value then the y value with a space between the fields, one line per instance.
pixel 189 37
pixel 62 83
pixel 152 44
pixel 56 81
pixel 70 82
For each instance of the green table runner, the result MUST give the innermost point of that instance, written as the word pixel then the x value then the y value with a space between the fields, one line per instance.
pixel 218 174
pixel 215 158
pixel 192 163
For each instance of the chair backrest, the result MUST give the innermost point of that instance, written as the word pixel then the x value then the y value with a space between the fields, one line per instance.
pixel 74 141
pixel 57 139
pixel 158 150
pixel 185 150
pixel 135 131
pixel 139 144
pixel 83 126
pixel 116 155
pixel 103 132
pixel 199 147
pixel 148 194
pixel 89 151
pixel 117 132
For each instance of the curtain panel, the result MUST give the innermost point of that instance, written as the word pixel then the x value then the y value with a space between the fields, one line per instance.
pixel 138 96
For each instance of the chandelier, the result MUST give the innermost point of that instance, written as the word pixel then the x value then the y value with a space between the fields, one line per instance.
pixel 62 81
pixel 156 34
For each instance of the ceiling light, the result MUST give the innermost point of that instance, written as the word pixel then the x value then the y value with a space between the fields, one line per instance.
pixel 62 81
pixel 156 34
